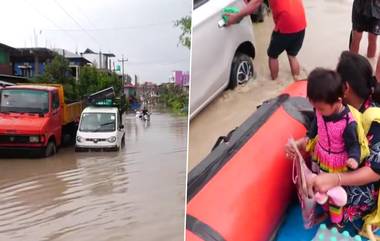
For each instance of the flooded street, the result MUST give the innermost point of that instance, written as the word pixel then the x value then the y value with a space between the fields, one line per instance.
pixel 327 35
pixel 134 194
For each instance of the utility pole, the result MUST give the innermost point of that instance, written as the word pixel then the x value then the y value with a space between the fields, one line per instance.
pixel 35 38
pixel 122 60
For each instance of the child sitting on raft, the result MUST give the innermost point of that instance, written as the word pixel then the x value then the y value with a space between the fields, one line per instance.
pixel 335 140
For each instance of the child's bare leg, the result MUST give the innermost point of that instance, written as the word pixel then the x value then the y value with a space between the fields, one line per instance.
pixel 372 44
pixel 355 43
pixel 294 65
pixel 273 67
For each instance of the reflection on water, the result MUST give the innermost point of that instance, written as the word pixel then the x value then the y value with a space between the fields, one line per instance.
pixel 134 194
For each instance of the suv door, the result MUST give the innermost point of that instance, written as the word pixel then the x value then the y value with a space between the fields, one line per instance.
pixel 213 49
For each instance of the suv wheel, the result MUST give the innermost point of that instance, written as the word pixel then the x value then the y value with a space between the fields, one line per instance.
pixel 241 70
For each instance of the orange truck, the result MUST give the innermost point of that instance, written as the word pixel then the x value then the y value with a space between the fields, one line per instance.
pixel 35 117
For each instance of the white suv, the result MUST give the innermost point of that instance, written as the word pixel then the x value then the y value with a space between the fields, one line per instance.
pixel 221 57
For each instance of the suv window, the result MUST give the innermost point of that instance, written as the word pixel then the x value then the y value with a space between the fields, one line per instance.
pixel 198 3
pixel 55 101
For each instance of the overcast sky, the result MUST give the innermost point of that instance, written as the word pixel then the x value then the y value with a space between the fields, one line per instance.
pixel 141 30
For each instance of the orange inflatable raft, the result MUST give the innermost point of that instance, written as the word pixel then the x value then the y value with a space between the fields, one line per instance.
pixel 241 190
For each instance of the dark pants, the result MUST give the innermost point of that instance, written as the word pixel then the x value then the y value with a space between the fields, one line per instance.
pixel 289 42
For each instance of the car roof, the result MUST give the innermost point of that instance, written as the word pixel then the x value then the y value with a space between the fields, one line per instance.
pixel 92 109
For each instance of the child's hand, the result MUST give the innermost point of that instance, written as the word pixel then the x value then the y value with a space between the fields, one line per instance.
pixel 352 163
pixel 290 153
pixel 289 150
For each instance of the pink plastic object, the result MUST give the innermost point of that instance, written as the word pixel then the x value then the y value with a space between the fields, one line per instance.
pixel 337 195
pixel 321 198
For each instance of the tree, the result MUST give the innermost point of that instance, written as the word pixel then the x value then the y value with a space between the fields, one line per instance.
pixel 88 81
pixel 58 72
pixel 185 25
pixel 92 80
pixel 175 97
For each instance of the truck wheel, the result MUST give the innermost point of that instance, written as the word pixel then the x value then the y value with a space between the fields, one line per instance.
pixel 50 149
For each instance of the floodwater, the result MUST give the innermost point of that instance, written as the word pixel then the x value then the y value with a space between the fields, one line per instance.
pixel 327 35
pixel 134 194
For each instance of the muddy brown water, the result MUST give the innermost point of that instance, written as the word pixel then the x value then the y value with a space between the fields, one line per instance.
pixel 134 194
pixel 327 35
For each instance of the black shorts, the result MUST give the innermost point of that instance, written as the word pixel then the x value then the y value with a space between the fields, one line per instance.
pixel 291 42
pixel 364 23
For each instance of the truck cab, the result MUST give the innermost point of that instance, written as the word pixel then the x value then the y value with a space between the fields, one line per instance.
pixel 33 117
pixel 100 128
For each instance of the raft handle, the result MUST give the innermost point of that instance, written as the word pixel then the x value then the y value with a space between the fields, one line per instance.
pixel 224 139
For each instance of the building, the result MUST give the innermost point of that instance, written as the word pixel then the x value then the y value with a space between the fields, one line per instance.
pixel 30 62
pixel 75 61
pixel 181 78
pixel 6 66
pixel 130 90
pixel 99 60
pixel 5 63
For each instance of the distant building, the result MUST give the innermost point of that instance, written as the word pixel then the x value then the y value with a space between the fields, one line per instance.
pixel 181 78
pixel 99 60
pixel 130 90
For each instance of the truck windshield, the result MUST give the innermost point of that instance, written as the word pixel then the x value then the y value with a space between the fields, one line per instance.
pixel 98 122
pixel 24 101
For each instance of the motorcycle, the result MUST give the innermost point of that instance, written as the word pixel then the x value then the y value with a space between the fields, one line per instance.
pixel 146 117
pixel 143 116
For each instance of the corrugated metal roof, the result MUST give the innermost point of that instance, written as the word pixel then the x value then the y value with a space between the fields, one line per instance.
pixel 67 54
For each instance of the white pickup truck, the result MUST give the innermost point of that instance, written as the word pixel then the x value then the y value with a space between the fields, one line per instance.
pixel 100 128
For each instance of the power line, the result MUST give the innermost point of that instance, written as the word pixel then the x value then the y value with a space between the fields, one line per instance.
pixel 84 15
pixel 114 28
pixel 50 20
pixel 159 62
pixel 80 26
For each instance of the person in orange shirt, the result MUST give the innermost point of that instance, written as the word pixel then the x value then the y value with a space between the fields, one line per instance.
pixel 288 34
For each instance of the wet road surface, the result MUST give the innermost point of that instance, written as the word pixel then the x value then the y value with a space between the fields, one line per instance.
pixel 134 194
pixel 327 35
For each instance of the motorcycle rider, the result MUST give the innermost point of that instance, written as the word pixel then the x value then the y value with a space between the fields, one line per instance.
pixel 144 110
